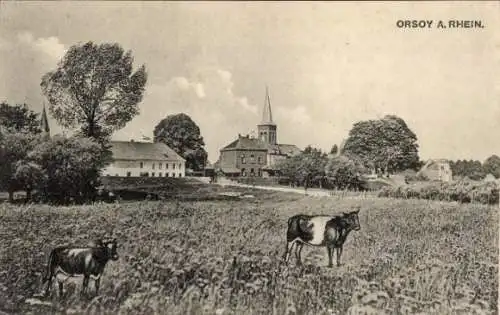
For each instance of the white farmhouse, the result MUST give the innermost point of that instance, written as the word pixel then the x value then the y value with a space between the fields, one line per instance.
pixel 136 159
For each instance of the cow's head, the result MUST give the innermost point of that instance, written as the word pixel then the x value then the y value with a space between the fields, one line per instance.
pixel 111 249
pixel 352 219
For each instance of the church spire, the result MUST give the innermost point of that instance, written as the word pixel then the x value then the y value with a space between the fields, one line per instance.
pixel 44 122
pixel 267 114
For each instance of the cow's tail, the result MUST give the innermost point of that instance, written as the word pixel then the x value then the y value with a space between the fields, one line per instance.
pixel 48 271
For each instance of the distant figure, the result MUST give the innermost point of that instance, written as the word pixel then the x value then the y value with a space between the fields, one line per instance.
pixel 320 230
pixel 80 261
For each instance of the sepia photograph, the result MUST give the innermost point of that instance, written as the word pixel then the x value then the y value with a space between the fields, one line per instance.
pixel 240 157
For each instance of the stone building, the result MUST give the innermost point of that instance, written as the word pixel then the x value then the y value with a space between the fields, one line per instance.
pixel 256 156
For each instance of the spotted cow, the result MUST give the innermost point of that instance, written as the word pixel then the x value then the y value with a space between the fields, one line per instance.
pixel 320 230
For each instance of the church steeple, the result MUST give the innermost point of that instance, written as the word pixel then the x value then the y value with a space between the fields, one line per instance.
pixel 267 128
pixel 44 123
pixel 267 114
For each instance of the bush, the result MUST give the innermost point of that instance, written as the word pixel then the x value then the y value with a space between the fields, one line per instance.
pixel 71 166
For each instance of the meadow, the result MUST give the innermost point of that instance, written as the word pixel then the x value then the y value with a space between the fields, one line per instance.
pixel 222 256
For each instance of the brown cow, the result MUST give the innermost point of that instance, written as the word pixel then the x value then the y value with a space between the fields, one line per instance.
pixel 80 261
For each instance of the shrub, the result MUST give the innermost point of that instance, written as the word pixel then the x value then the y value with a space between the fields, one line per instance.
pixel 72 168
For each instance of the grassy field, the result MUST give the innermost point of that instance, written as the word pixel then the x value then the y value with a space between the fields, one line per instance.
pixel 222 257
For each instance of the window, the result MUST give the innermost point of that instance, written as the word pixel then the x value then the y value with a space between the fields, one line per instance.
pixel 159 174
pixel 259 160
pixel 180 165
pixel 159 166
pixel 141 165
pixel 251 172
pixel 173 166
pixel 243 160
pixel 180 174
pixel 173 174
pixel 153 166
pixel 128 174
pixel 243 172
pixel 166 166
pixel 144 174
pixel 252 158
pixel 152 174
pixel 166 175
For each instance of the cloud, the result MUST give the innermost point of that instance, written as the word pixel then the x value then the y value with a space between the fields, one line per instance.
pixel 51 46
pixel 25 59
pixel 207 96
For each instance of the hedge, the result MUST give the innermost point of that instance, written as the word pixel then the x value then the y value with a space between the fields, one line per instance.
pixel 460 191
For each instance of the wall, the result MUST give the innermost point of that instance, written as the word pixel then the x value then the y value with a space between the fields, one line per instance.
pixel 122 167
pixel 227 159
pixel 251 163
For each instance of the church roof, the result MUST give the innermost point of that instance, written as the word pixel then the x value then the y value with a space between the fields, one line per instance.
pixel 131 150
pixel 246 143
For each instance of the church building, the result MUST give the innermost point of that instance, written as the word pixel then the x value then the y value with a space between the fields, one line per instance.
pixel 250 156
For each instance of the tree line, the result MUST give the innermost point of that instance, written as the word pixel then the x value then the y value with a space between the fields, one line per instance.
pixel 381 146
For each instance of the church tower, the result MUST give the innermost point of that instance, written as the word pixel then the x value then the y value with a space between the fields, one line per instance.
pixel 267 128
pixel 44 124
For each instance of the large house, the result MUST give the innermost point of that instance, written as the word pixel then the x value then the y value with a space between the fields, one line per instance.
pixel 135 159
pixel 438 169
pixel 256 156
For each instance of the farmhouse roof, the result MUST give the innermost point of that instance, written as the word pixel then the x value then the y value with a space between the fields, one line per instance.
pixel 432 162
pixel 132 150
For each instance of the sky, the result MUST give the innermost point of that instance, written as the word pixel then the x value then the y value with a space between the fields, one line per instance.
pixel 327 66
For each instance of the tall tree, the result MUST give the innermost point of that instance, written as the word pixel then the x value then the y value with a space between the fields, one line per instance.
pixel 386 144
pixel 19 118
pixel 492 165
pixel 183 135
pixel 95 88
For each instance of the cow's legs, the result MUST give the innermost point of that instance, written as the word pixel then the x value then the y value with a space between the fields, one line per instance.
pixel 298 250
pixel 339 254
pixel 61 289
pixel 330 254
pixel 49 284
pixel 289 248
pixel 97 283
pixel 85 284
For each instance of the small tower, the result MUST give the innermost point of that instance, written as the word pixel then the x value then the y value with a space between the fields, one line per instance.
pixel 267 129
pixel 44 124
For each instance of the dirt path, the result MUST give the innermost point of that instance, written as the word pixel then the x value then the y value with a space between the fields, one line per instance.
pixel 316 192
